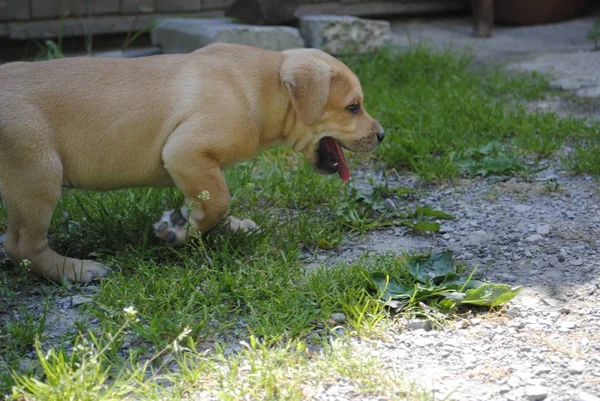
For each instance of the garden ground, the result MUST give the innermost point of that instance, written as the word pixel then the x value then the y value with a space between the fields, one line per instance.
pixel 293 312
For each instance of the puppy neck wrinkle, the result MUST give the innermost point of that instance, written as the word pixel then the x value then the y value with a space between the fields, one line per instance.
pixel 289 132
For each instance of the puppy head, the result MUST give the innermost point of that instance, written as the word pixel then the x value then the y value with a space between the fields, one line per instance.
pixel 328 100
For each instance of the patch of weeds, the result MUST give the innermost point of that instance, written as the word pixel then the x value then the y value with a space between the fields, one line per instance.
pixel 26 327
pixel 491 158
pixel 585 157
pixel 434 281
pixel 363 212
pixel 552 186
pixel 594 34
pixel 83 374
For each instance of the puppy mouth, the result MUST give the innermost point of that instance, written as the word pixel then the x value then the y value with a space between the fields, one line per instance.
pixel 330 158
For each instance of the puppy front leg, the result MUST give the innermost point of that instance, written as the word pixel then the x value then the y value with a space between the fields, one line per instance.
pixel 206 201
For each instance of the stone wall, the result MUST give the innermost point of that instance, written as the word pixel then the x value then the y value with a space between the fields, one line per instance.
pixel 33 19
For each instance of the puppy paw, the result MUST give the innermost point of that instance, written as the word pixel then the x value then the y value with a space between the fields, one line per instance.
pixel 89 272
pixel 235 224
pixel 172 227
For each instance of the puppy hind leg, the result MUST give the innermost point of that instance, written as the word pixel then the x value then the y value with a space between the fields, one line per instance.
pixel 31 197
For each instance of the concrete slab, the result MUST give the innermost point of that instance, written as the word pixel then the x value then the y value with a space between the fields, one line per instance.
pixel 184 35
pixel 578 71
pixel 507 43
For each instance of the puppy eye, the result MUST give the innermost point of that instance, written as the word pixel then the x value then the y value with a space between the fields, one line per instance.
pixel 354 108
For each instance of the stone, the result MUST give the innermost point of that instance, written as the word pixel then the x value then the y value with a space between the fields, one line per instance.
pixel 522 208
pixel 77 300
pixel 389 204
pixel 184 35
pixel 476 238
pixel 339 318
pixel 534 238
pixel 576 262
pixel 583 396
pixel 535 393
pixel 344 35
pixel 543 229
pixel 576 367
pixel 419 324
pixel 263 12
pixel 541 370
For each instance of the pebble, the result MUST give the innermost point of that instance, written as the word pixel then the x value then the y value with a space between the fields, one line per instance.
pixel 476 238
pixel 535 393
pixel 534 238
pixel 540 370
pixel 543 229
pixel 389 204
pixel 576 367
pixel 419 324
pixel 576 262
pixel 339 318
pixel 77 300
pixel 583 396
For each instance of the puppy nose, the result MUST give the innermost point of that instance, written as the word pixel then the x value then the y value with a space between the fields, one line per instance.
pixel 380 135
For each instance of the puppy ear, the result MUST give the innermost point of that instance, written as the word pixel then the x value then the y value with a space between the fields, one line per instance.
pixel 307 81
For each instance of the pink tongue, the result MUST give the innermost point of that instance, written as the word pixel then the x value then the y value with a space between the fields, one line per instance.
pixel 335 150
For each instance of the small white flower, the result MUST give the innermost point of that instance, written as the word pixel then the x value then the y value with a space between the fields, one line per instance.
pixel 130 311
pixel 26 262
pixel 204 195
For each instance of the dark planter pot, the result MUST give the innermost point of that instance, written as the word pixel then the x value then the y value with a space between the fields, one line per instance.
pixel 531 12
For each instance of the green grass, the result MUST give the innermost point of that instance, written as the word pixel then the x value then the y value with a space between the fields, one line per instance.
pixel 441 122
pixel 435 112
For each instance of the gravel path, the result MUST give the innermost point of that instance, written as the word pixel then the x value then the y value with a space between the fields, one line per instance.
pixel 543 235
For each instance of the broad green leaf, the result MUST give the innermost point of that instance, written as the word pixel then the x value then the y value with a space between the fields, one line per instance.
pixel 392 289
pixel 455 296
pixel 430 212
pixel 489 147
pixel 490 295
pixel 425 226
pixel 457 283
pixel 437 265
pixel 447 304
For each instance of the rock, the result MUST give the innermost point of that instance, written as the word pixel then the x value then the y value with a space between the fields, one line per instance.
pixel 344 35
pixel 567 325
pixel 263 12
pixel 476 238
pixel 513 381
pixel 504 389
pixel 576 367
pixel 535 393
pixel 389 204
pixel 534 238
pixel 583 396
pixel 543 229
pixel 522 208
pixel 540 370
pixel 421 341
pixel 338 318
pixel 419 324
pixel 77 300
pixel 551 302
pixel 184 35
pixel 576 262
pixel 591 91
